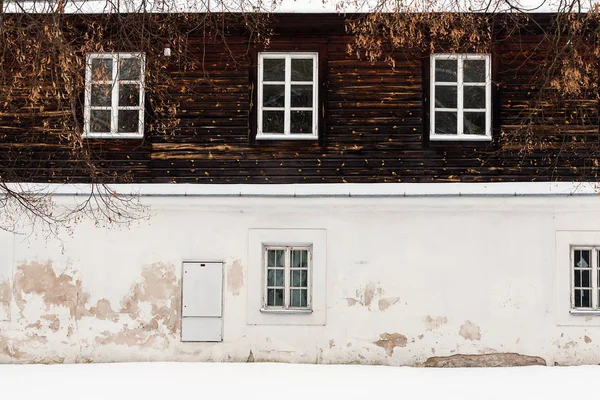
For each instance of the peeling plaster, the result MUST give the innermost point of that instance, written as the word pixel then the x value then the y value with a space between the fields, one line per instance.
pixel 587 339
pixel 56 290
pixel 235 277
pixel 365 297
pixel 432 323
pixel 470 331
pixel 387 302
pixel 5 298
pixel 390 340
pixel 483 360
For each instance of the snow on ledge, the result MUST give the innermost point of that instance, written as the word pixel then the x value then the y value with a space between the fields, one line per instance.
pixel 501 189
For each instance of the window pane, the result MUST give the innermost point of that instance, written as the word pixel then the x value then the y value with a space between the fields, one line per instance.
pixel 446 97
pixel 299 258
pixel 577 278
pixel 273 121
pixel 295 278
pixel 586 278
pixel 474 70
pixel 445 123
pixel 273 69
pixel 128 121
pixel 445 70
pixel 130 68
pixel 474 123
pixel 278 297
pixel 101 95
pixel 304 298
pixel 295 298
pixel 275 297
pixel 273 95
pixel 280 277
pixel 271 277
pixel 101 69
pixel 582 258
pixel 129 95
pixel 302 70
pixel 474 97
pixel 301 122
pixel 303 278
pixel 302 96
pixel 100 121
pixel 275 259
pixel 275 277
pixel 585 298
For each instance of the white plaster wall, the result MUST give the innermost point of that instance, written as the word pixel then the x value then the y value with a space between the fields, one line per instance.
pixel 407 279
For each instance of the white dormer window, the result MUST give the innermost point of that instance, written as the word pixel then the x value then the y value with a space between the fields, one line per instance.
pixel 461 96
pixel 114 96
pixel 287 96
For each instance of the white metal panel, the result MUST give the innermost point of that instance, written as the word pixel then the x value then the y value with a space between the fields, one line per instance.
pixel 201 329
pixel 202 289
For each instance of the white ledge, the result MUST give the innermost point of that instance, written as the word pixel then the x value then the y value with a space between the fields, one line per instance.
pixel 318 189
pixel 284 311
pixel 584 312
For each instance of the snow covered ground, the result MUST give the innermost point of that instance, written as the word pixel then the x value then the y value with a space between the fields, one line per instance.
pixel 170 381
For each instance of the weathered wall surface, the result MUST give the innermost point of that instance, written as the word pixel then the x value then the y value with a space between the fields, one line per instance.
pixel 408 279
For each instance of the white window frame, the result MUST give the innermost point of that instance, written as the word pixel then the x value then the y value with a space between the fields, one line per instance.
pixel 460 109
pixel 287 108
pixel 595 287
pixel 287 277
pixel 114 107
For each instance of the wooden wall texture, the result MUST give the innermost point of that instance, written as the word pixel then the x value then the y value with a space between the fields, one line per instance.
pixel 374 125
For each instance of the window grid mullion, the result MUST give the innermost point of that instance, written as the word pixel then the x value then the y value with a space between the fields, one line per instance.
pixel 488 97
pixel 459 81
pixel 114 121
pixel 594 277
pixel 288 93
pixel 286 290
pixel 315 105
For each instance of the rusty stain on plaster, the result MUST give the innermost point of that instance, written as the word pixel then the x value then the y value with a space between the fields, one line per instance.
pixel 483 360
pixel 587 339
pixel 470 331
pixel 432 323
pixel 390 340
pixel 387 302
pixel 235 277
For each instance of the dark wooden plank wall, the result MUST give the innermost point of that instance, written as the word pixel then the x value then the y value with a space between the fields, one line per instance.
pixel 374 126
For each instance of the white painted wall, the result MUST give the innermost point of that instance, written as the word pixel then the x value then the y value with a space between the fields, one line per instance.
pixel 451 275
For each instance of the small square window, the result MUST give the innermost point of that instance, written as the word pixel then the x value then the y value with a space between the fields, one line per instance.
pixel 287 272
pixel 287 96
pixel 585 278
pixel 114 95
pixel 460 97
